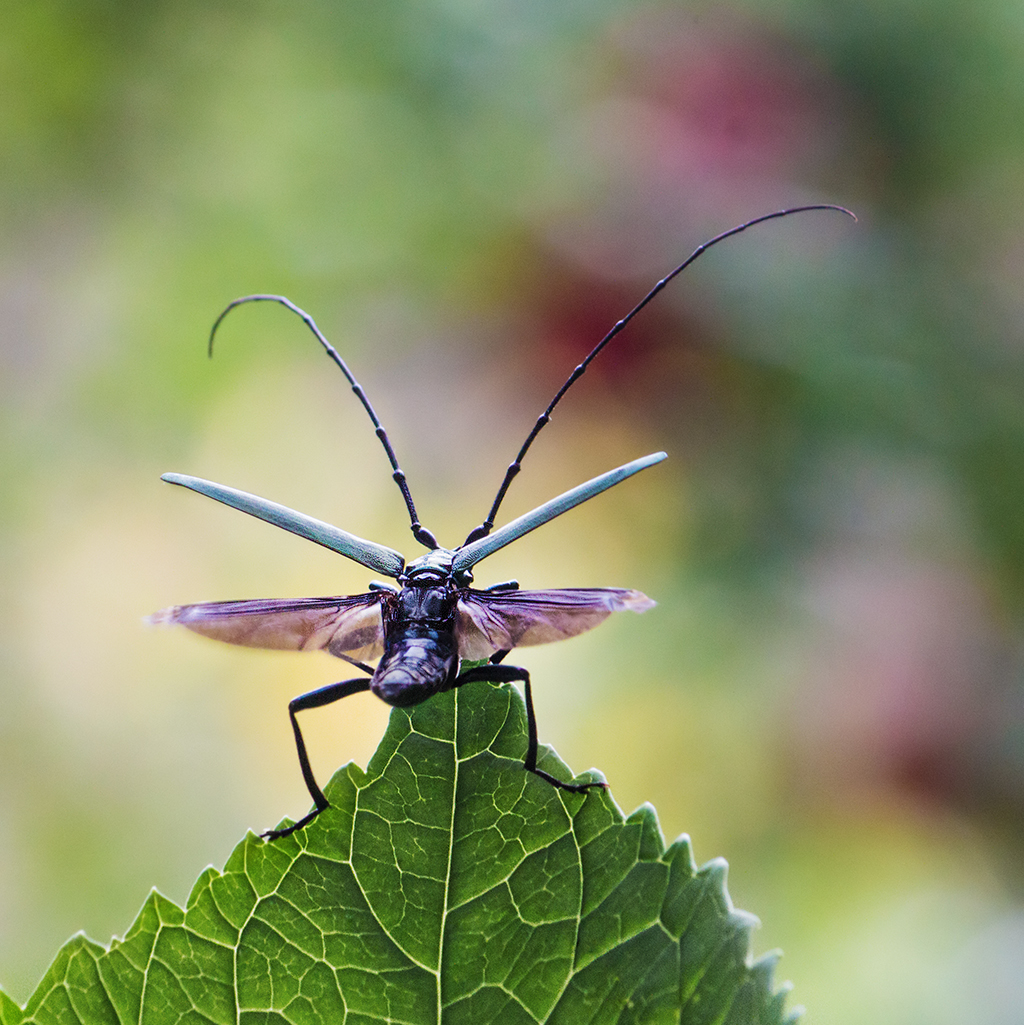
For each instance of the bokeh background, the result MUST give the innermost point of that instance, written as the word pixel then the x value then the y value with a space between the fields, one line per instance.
pixel 467 196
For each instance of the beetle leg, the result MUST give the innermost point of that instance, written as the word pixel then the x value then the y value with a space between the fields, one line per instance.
pixel 510 674
pixel 314 699
pixel 359 665
pixel 509 585
pixel 498 656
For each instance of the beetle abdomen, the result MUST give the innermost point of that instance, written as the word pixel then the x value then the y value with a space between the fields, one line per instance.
pixel 414 667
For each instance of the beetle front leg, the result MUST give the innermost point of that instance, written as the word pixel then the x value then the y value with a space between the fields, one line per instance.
pixel 314 699
pixel 511 674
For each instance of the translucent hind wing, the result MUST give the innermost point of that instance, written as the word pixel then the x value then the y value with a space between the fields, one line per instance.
pixel 490 621
pixel 346 626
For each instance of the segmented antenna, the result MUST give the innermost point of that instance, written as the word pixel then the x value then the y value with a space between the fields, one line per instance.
pixel 424 536
pixel 516 465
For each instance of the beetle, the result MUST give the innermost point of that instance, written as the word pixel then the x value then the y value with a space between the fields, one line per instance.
pixel 421 630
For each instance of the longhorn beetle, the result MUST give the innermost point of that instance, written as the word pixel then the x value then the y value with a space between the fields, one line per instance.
pixel 422 629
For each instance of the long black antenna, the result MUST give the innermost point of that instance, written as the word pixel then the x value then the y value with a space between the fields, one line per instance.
pixel 485 528
pixel 424 536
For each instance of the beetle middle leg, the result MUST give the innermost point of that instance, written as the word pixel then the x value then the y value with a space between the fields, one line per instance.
pixel 314 699
pixel 510 674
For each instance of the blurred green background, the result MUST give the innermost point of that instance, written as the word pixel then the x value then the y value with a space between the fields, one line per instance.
pixel 466 196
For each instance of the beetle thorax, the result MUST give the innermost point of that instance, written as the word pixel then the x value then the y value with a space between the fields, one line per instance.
pixel 423 603
pixel 420 651
pixel 433 568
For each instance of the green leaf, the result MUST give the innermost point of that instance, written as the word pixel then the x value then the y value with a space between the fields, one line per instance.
pixel 444 883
